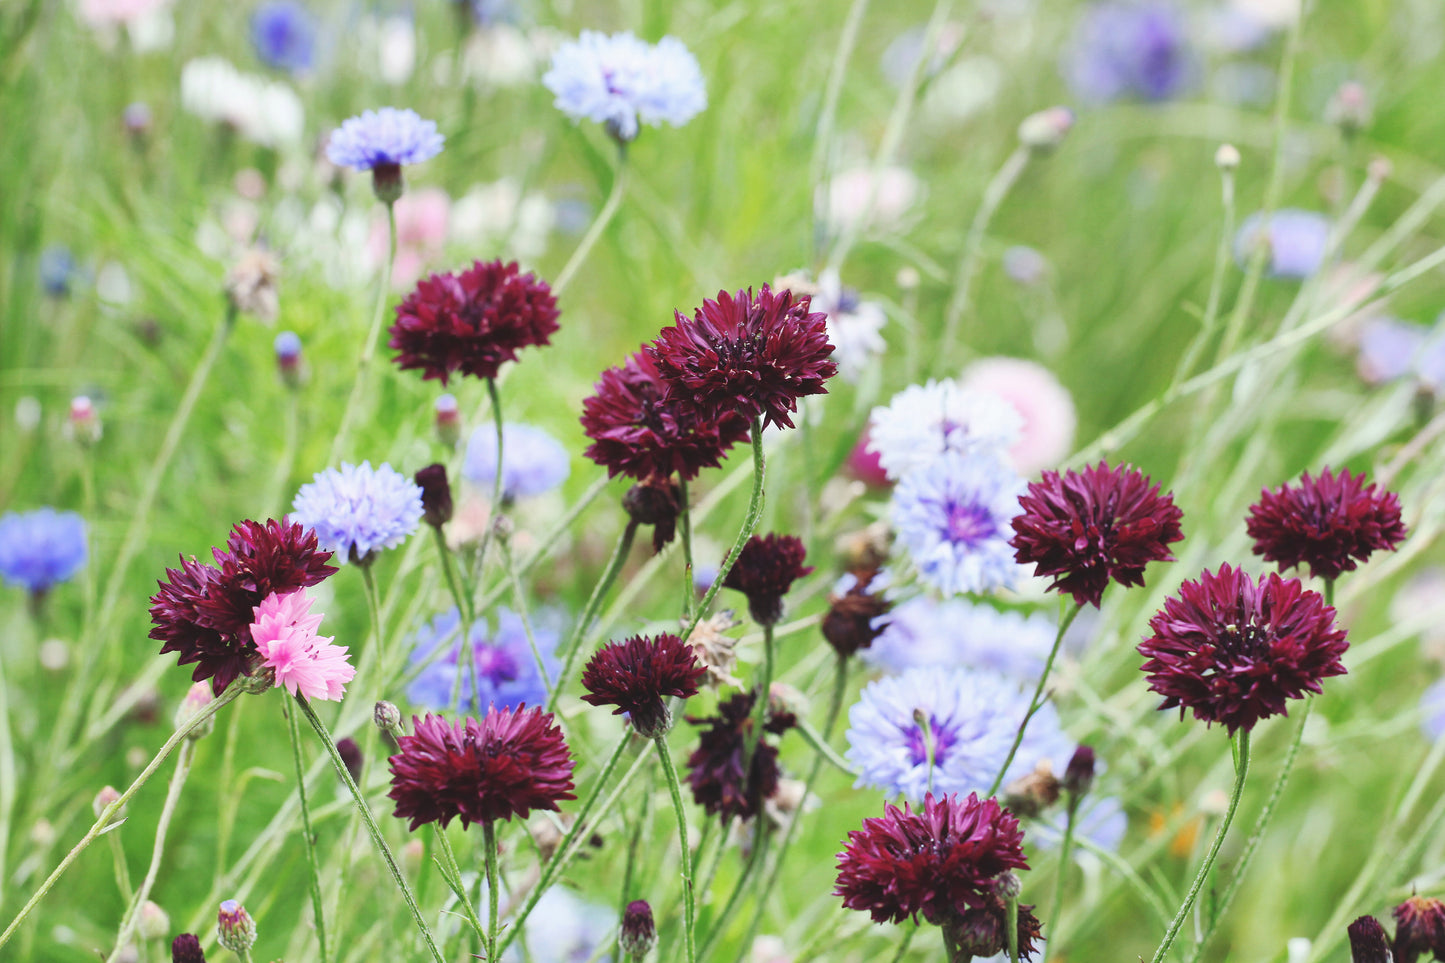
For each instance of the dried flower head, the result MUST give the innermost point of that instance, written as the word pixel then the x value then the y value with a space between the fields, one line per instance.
pixel 1232 649
pixel 1419 929
pixel 765 569
pixel 716 774
pixel 636 675
pixel 251 284
pixel 1085 528
pixel 436 494
pixel 716 650
pixel 1332 522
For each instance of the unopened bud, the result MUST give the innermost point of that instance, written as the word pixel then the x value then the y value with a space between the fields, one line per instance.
pixel 639 932
pixel 197 698
pixel 186 948
pixel 235 929
pixel 1349 109
pixel 1079 776
pixel 137 119
pixel 436 494
pixel 387 182
pixel 1007 885
pixel 1045 131
pixel 1368 943
pixel 289 363
pixel 908 278
pixel 1227 157
pixel 153 924
pixel 351 757
pixel 387 718
pixel 657 501
pixel 84 422
pixel 448 420
pixel 103 800
pixel 1379 169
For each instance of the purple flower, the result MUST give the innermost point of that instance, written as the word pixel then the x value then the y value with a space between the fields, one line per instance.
pixel 1296 241
pixel 387 137
pixel 283 33
pixel 1132 49
pixel 507 673
pixel 533 462
pixel 42 548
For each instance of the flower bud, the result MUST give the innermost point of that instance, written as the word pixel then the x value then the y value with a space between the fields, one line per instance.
pixel 262 679
pixel 103 799
pixel 84 422
pixel 289 363
pixel 1079 776
pixel 639 932
pixel 235 929
pixel 1349 109
pixel 656 502
pixel 1007 885
pixel 153 924
pixel 350 754
pixel 1031 794
pixel 186 948
pixel 1045 131
pixel 197 698
pixel 1368 943
pixel 1227 157
pixel 387 718
pixel 436 494
pixel 387 182
pixel 448 420
pixel 137 119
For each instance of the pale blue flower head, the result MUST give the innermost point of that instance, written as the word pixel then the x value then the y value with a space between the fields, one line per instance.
pixel 1101 820
pixel 957 632
pixel 385 137
pixel 1432 710
pixel 42 548
pixel 1296 241
pixel 357 510
pixel 619 80
pixel 533 462
pixel 972 720
pixel 283 33
pixel 922 422
pixel 953 518
pixel 507 672
pixel 1137 48
pixel 57 270
pixel 566 929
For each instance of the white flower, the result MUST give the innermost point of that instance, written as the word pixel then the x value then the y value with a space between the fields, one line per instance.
pixel 620 80
pixel 924 421
pixel 853 325
pixel 263 111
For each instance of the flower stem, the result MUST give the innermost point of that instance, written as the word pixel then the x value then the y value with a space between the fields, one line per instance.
pixel 368 351
pixel 371 827
pixel 494 510
pixel 689 593
pixel 1011 927
pixel 1241 769
pixel 594 602
pixel 1066 852
pixel 754 865
pixel 294 728
pixel 465 617
pixel 373 654
pixel 489 843
pixel 519 598
pixel 103 821
pixel 907 942
pixel 599 224
pixel 1037 701
pixel 760 704
pixel 689 908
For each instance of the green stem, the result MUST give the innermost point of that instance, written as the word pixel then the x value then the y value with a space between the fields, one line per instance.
pixel 453 873
pixel 1241 770
pixel 489 843
pixel 1036 702
pixel 599 224
pixel 368 351
pixel 689 593
pixel 764 690
pixel 373 654
pixel 122 870
pixel 589 612
pixel 689 908
pixel 371 827
pixel 103 820
pixel 1011 928
pixel 754 864
pixel 1222 259
pixel 1066 852
pixel 907 941
pixel 519 598
pixel 465 619
pixel 309 834
pixel 494 510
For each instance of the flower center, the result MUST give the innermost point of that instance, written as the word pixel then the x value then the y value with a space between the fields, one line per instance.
pixel 969 523
pixel 1249 640
pixel 496 663
pixel 942 737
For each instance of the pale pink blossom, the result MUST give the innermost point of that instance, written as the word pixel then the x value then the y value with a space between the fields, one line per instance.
pixel 422 218
pixel 1045 405
pixel 285 634
pixel 100 13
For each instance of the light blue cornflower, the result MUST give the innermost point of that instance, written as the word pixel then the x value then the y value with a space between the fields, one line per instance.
pixel 389 136
pixel 358 510
pixel 957 632
pixel 618 80
pixel 507 673
pixel 1101 820
pixel 533 462
pixel 565 928
pixel 42 548
pixel 1432 710
pixel 972 719
pixel 953 516
pixel 283 34
pixel 1138 48
pixel 1296 241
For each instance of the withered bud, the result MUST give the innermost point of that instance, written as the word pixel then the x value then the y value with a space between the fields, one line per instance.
pixel 436 494
pixel 251 285
pixel 1368 943
pixel 716 651
pixel 1079 775
pixel 350 754
pixel 857 616
pixel 1031 794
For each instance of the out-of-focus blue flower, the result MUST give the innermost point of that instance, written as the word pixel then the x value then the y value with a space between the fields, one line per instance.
pixel 283 33
pixel 972 717
pixel 619 80
pixel 42 548
pixel 1296 241
pixel 922 422
pixel 565 928
pixel 1129 49
pixel 953 518
pixel 507 673
pixel 1432 710
pixel 1388 348
pixel 1025 265
pixel 956 632
pixel 357 509
pixel 57 270
pixel 1101 820
pixel 384 137
pixel 533 462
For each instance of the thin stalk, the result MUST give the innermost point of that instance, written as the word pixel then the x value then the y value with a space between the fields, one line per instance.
pixel 689 593
pixel 519 598
pixel 760 704
pixel 368 351
pixel 589 612
pixel 371 827
pixel 168 810
pixel 494 510
pixel 102 822
pixel 689 908
pixel 1011 928
pixel 907 941
pixel 373 654
pixel 309 834
pixel 753 866
pixel 1241 770
pixel 453 872
pixel 464 613
pixel 1037 701
pixel 122 870
pixel 8 781
pixel 1222 259
pixel 823 133
pixel 599 224
pixel 1066 852
pixel 634 844
pixel 489 843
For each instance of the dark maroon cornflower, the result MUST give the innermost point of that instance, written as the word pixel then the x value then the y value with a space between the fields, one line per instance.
pixel 634 432
pixel 1332 522
pixel 716 765
pixel 436 494
pixel 856 617
pixel 1233 649
pixel 636 675
pixel 639 931
pixel 1087 527
pixel 186 948
pixel 657 501
pixel 1079 774
pixel 473 322
pixel 510 763
pixel 982 931
pixel 205 611
pixel 764 571
pixel 1368 942
pixel 1419 929
pixel 745 354
pixel 939 862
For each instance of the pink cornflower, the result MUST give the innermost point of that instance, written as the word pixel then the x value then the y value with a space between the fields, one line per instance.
pixel 285 635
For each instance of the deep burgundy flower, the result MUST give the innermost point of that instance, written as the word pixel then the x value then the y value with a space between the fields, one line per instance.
pixel 472 322
pixel 1085 528
pixel 939 862
pixel 1233 649
pixel 656 501
pixel 746 354
pixel 982 931
pixel 1419 929
pixel 764 571
pixel 636 675
pixel 716 765
pixel 639 931
pixel 436 494
pixel 1079 774
pixel 506 765
pixel 186 948
pixel 856 617
pixel 1368 942
pixel 205 611
pixel 634 432
pixel 1332 522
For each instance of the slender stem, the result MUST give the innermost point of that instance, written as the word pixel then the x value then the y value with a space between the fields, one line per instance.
pixel 823 133
pixel 589 612
pixel 1011 929
pixel 689 908
pixel 489 843
pixel 689 593
pixel 1216 283
pixel 122 870
pixel 907 941
pixel 1241 770
pixel 168 810
pixel 103 821
pixel 494 510
pixel 754 865
pixel 519 597
pixel 368 351
pixel 1066 853
pixel 764 690
pixel 750 522
pixel 309 834
pixel 373 654
pixel 465 618
pixel 599 224
pixel 371 827
pixel 453 872
pixel 1037 701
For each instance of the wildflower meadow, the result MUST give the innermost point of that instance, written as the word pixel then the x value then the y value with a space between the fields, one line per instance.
pixel 722 482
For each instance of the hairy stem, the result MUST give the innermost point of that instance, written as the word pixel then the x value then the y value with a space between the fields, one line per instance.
pixel 1037 701
pixel 688 904
pixel 308 834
